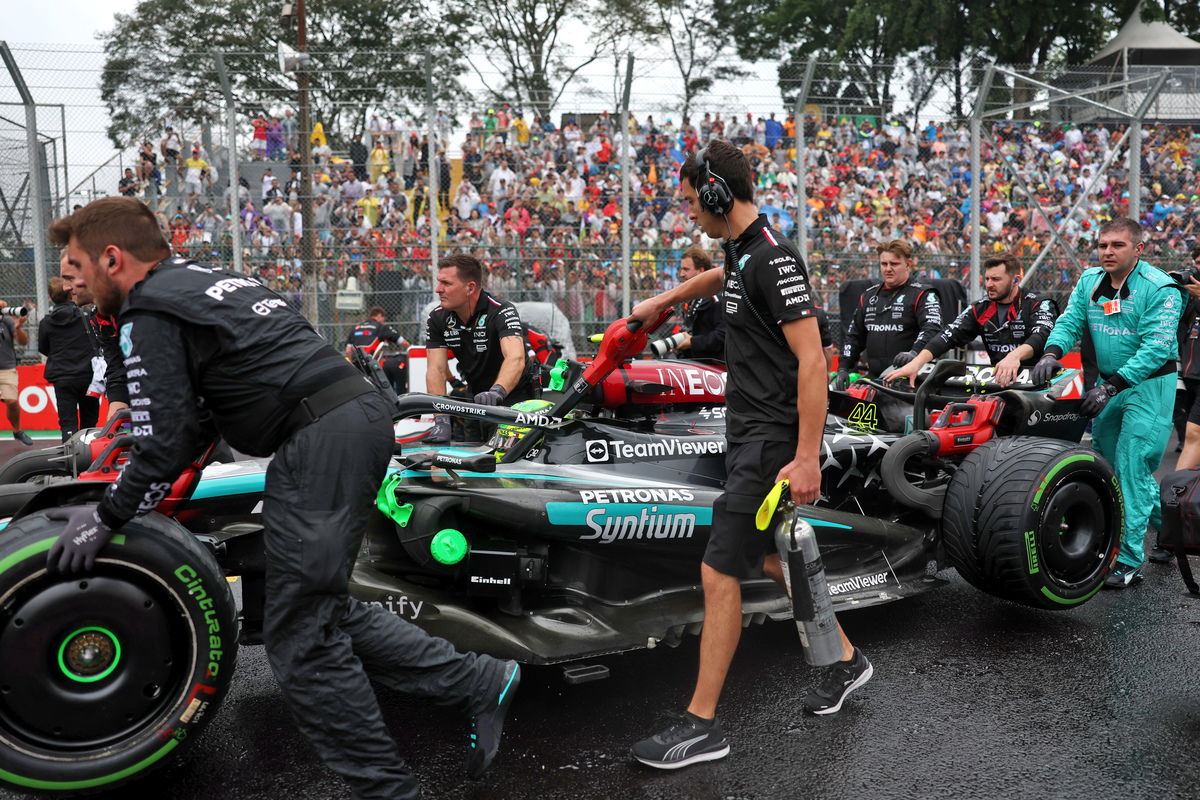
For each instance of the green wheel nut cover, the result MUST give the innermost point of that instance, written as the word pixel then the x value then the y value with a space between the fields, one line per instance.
pixel 449 546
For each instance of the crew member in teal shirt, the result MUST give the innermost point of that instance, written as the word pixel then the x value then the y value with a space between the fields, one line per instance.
pixel 1129 310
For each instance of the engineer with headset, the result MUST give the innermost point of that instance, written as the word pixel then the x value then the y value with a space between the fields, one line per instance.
pixel 776 400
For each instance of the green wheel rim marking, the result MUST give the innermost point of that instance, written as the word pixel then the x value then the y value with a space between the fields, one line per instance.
pixel 42 546
pixel 35 783
pixel 1065 602
pixel 1037 497
pixel 62 664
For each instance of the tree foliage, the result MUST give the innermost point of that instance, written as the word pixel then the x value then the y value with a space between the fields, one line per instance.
pixel 366 54
pixel 698 46
pixel 533 47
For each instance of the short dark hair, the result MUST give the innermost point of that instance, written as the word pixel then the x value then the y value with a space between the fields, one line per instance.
pixel 57 293
pixel 1006 260
pixel 468 266
pixel 700 258
pixel 726 161
pixel 1124 224
pixel 376 311
pixel 1195 253
pixel 121 221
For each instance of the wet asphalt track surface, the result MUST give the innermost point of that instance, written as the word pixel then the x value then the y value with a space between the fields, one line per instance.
pixel 972 697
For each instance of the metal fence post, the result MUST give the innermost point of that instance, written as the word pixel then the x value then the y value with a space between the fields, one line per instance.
pixel 626 246
pixel 974 288
pixel 434 177
pixel 235 207
pixel 802 163
pixel 36 186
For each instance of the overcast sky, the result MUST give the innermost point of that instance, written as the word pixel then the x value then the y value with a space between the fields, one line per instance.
pixel 63 21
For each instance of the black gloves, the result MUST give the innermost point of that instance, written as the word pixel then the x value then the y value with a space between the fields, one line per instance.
pixel 903 358
pixel 841 380
pixel 82 539
pixel 440 432
pixel 1096 399
pixel 493 396
pixel 1045 369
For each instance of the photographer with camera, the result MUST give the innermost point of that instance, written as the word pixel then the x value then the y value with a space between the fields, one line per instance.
pixel 703 333
pixel 12 332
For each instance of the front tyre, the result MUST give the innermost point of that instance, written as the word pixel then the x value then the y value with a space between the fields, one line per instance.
pixel 1035 521
pixel 106 675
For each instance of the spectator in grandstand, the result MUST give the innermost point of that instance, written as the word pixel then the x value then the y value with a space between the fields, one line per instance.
pixel 170 147
pixel 129 185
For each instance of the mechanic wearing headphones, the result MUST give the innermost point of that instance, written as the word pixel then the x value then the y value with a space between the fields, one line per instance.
pixel 703 319
pixel 894 319
pixel 1013 324
pixel 776 400
pixel 1130 311
pixel 196 337
pixel 485 335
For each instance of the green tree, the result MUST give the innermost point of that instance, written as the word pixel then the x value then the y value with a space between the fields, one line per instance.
pixel 698 47
pixel 525 43
pixel 366 54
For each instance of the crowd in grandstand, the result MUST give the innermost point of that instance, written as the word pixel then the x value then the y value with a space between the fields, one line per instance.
pixel 539 203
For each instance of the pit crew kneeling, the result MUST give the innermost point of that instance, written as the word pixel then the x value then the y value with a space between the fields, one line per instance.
pixel 195 337
pixel 776 401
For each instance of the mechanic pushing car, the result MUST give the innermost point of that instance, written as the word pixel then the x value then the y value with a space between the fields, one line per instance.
pixel 894 319
pixel 1129 310
pixel 1013 324
pixel 197 338
pixel 486 336
pixel 775 400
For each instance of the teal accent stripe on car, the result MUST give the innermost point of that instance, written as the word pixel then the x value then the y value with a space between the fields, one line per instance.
pixel 230 484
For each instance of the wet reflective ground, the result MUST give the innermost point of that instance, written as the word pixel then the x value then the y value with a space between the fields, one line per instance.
pixel 972 697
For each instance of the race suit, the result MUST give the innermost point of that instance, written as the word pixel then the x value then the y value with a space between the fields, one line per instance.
pixel 1135 352
pixel 1003 327
pixel 370 336
pixel 207 340
pixel 890 321
pixel 704 320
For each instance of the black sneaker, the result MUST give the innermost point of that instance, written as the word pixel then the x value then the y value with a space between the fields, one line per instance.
pixel 488 725
pixel 1160 555
pixel 689 741
pixel 841 679
pixel 1123 576
pixel 22 437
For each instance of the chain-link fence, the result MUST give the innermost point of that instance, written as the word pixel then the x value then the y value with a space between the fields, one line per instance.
pixel 411 161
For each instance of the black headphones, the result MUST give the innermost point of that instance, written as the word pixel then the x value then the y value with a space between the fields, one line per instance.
pixel 713 192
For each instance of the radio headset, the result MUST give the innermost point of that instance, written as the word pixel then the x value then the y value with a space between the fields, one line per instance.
pixel 715 198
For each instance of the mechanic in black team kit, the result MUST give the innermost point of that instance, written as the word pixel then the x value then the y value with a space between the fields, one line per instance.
pixel 894 319
pixel 197 338
pixel 776 400
pixel 373 332
pixel 486 336
pixel 1014 324
pixel 703 319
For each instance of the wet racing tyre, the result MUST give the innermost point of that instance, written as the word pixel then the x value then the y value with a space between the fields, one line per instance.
pixel 1035 521
pixel 106 675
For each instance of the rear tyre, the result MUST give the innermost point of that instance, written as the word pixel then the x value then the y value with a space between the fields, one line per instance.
pixel 29 466
pixel 1035 521
pixel 105 675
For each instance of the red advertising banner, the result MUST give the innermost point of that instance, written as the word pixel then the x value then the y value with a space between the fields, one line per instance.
pixel 39 410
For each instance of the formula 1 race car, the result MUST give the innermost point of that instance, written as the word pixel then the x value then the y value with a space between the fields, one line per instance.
pixel 570 537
